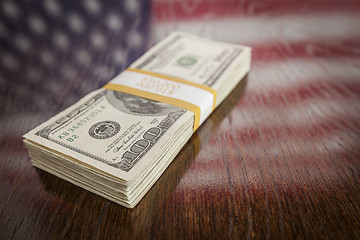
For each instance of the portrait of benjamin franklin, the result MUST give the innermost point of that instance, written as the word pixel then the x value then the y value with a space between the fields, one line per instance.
pixel 137 105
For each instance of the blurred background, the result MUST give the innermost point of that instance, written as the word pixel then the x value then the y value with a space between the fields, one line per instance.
pixel 290 143
pixel 305 56
pixel 65 49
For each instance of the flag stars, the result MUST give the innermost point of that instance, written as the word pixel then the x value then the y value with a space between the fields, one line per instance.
pixel 47 57
pixel 92 6
pixel 10 62
pixel 10 9
pixel 61 40
pixel 119 57
pixel 52 7
pixel 3 31
pixel 37 25
pixel 98 40
pixel 113 22
pixel 131 6
pixel 22 43
pixel 33 73
pixel 83 56
pixel 134 39
pixel 76 23
pixel 68 72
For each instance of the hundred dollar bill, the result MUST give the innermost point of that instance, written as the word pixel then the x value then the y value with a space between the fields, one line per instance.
pixel 117 144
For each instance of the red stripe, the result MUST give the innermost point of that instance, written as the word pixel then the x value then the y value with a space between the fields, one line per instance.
pixel 312 90
pixel 329 49
pixel 189 10
pixel 284 137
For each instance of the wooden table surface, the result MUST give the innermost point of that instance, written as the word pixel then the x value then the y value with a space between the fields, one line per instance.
pixel 280 158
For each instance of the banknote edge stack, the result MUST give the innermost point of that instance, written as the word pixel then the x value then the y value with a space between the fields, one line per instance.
pixel 127 192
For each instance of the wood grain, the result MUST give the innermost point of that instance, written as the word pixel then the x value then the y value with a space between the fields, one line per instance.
pixel 279 158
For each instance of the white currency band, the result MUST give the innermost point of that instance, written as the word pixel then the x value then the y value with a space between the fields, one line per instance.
pixel 168 88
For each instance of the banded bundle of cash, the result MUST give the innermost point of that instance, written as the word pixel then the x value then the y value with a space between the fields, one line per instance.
pixel 117 144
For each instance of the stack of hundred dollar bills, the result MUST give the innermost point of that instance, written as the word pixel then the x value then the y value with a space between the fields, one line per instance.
pixel 117 144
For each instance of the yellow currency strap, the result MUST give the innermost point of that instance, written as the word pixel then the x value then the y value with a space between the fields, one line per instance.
pixel 165 99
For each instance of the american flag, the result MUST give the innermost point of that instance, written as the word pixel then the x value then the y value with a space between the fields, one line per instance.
pixel 302 95
pixel 301 100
